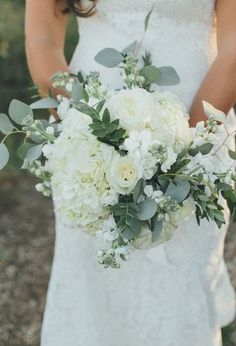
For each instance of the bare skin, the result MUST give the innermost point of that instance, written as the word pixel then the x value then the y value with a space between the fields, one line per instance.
pixel 45 30
pixel 219 85
pixel 45 37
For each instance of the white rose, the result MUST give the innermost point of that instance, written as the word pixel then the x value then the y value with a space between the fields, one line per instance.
pixel 133 107
pixel 123 173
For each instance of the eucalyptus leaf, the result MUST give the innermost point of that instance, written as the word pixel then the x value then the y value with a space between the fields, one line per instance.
pixel 45 103
pixel 23 149
pixel 156 228
pixel 151 74
pixel 130 48
pixel 20 112
pixel 77 92
pixel 138 190
pixel 147 209
pixel 6 125
pixel 109 57
pixel 168 76
pixel 132 231
pixel 204 149
pixel 178 190
pixel 232 154
pixel 147 18
pixel 34 152
pixel 4 155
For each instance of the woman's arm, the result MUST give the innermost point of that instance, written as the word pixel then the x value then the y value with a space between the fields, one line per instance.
pixel 45 28
pixel 219 86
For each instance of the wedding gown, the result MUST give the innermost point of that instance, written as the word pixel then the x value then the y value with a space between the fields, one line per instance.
pixel 177 294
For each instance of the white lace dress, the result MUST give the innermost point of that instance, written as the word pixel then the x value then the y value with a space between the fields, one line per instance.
pixel 177 294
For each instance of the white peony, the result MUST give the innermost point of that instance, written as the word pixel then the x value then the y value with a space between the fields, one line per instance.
pixel 133 107
pixel 123 173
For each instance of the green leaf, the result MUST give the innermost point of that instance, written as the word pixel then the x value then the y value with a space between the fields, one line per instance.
pixel 44 104
pixel 77 92
pixel 163 181
pixel 138 190
pixel 4 155
pixel 109 57
pixel 223 186
pixel 125 214
pixel 151 74
pixel 100 105
pixel 232 154
pixel 113 126
pixel 130 48
pixel 147 18
pixel 204 149
pixel 106 117
pixel 20 112
pixel 6 125
pixel 168 76
pixel 178 190
pixel 118 134
pixel 23 149
pixel 34 153
pixel 147 209
pixel 156 228
pixel 85 95
pixel 80 77
pixel 132 231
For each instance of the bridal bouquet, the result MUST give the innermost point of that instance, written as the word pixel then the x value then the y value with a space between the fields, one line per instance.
pixel 124 165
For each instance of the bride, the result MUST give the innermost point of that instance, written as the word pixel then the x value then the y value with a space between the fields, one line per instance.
pixel 177 294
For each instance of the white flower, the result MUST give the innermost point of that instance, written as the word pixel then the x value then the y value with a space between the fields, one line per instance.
pixel 108 230
pixel 50 130
pixel 76 124
pixel 170 121
pixel 133 107
pixel 47 150
pixel 123 173
pixel 78 164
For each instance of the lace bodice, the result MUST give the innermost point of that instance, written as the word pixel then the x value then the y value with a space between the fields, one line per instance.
pixel 181 33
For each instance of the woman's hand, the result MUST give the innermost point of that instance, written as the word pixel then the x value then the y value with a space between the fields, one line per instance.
pixel 45 29
pixel 219 85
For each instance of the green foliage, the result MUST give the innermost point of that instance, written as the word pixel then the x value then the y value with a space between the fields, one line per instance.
pixel 125 214
pixel 109 57
pixel 106 130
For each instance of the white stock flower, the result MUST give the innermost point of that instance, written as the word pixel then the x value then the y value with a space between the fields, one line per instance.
pixel 123 173
pixel 133 107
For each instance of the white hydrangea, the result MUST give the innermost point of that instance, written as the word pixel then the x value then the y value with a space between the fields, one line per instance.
pixel 78 163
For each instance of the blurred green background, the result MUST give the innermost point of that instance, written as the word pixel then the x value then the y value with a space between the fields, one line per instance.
pixel 26 218
pixel 15 81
